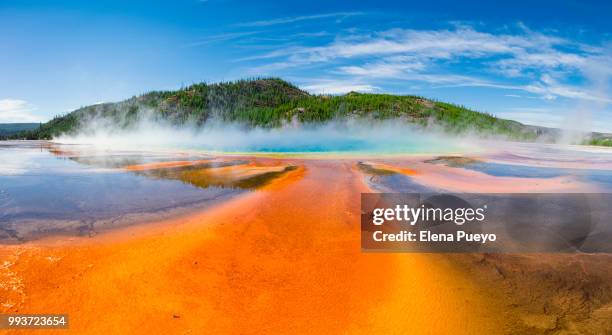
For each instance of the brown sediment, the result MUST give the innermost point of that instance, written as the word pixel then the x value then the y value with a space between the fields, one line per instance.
pixel 385 169
pixel 453 161
pixel 242 171
pixel 285 259
pixel 228 173
pixel 161 165
pixel 370 169
pixel 547 293
pixel 61 152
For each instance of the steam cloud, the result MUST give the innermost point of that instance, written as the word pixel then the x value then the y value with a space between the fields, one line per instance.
pixel 392 136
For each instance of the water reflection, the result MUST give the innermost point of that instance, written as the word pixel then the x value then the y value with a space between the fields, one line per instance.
pixel 49 189
pixel 601 177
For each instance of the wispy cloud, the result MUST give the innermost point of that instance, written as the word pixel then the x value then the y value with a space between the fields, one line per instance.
pixel 534 115
pixel 528 61
pixel 338 87
pixel 221 38
pixel 293 19
pixel 15 110
pixel 562 117
pixel 384 69
pixel 550 89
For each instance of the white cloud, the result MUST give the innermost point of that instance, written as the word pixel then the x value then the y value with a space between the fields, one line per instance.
pixel 424 44
pixel 529 61
pixel 15 110
pixel 337 87
pixel 535 116
pixel 560 117
pixel 549 59
pixel 383 69
pixel 292 19
pixel 221 37
pixel 549 89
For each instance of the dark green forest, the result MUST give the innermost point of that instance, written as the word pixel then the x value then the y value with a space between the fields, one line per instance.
pixel 8 129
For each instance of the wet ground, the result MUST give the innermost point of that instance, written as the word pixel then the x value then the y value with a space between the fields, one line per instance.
pixel 267 244
pixel 49 189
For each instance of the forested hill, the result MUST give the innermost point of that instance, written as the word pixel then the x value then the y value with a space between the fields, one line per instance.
pixel 274 102
pixel 8 129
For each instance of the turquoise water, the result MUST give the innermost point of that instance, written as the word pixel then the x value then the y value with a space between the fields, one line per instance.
pixel 347 144
pixel 378 137
pixel 343 145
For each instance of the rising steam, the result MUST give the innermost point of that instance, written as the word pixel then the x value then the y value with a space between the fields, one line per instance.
pixel 391 136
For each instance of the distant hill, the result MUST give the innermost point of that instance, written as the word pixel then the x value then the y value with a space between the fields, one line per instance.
pixel 273 102
pixel 8 129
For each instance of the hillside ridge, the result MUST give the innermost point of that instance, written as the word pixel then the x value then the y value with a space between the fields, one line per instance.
pixel 272 102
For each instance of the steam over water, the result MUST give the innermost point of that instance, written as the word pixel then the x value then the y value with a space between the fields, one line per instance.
pixel 379 137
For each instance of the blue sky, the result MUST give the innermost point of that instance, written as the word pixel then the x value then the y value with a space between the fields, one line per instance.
pixel 539 62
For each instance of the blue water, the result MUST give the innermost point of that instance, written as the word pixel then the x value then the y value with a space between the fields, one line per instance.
pixel 349 145
pixel 363 138
pixel 36 186
pixel 398 183
pixel 603 177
